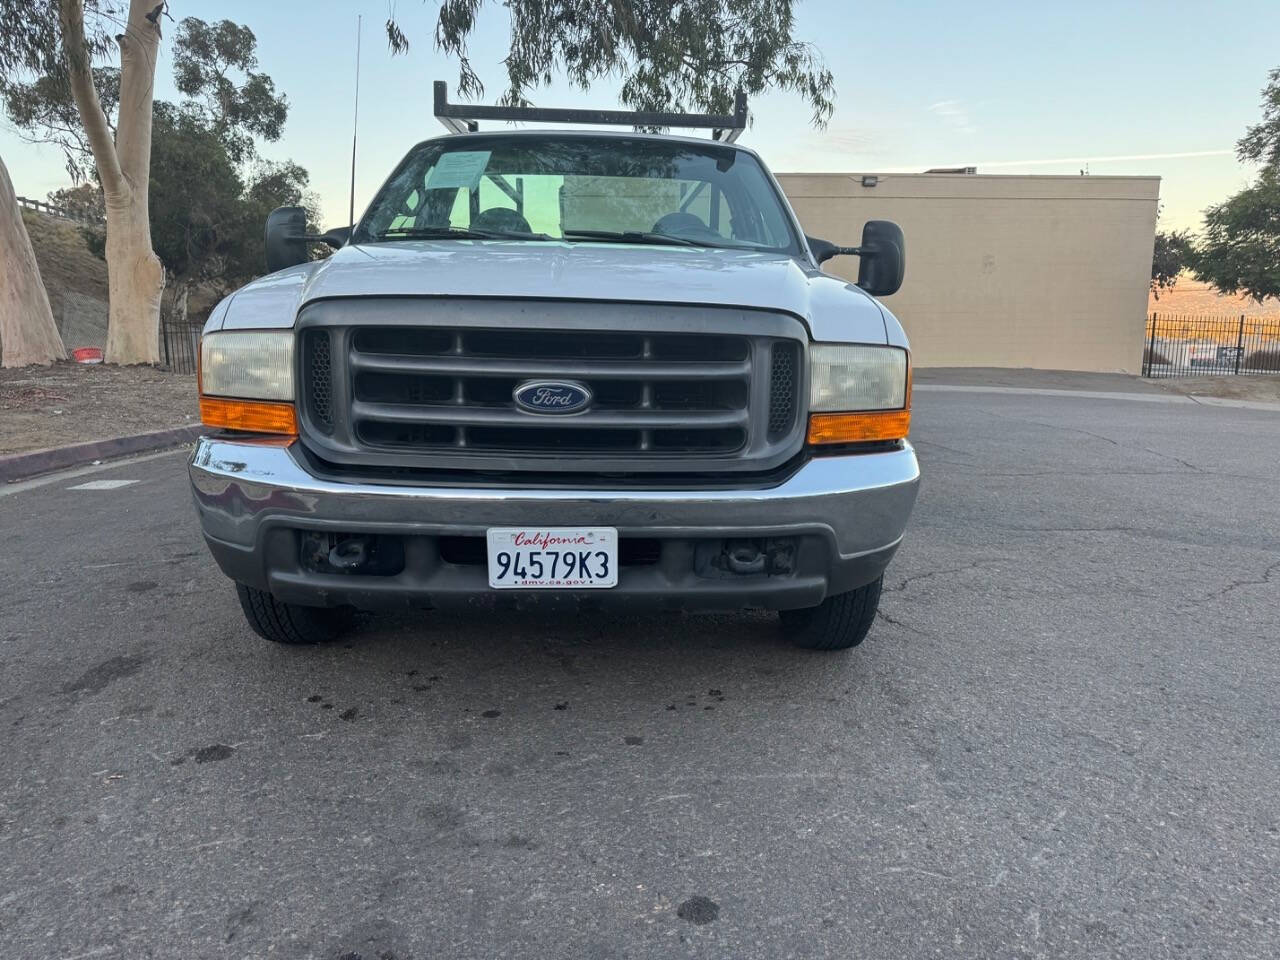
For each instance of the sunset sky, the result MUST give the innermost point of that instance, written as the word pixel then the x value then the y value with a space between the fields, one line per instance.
pixel 1138 88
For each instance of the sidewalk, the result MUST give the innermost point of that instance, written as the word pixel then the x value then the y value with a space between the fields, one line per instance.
pixel 1261 390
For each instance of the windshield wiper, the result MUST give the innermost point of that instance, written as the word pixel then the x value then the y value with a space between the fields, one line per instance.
pixel 635 236
pixel 457 233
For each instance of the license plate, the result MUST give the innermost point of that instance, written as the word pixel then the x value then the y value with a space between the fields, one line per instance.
pixel 567 558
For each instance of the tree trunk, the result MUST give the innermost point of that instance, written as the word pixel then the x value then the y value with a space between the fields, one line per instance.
pixel 135 281
pixel 135 278
pixel 27 331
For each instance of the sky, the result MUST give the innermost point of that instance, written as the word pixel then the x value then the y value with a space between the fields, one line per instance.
pixel 1145 88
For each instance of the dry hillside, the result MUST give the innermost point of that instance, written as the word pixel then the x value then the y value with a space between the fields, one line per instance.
pixel 66 265
pixel 1191 296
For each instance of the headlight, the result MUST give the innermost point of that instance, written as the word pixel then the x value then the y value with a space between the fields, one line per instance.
pixel 858 393
pixel 851 377
pixel 247 365
pixel 246 381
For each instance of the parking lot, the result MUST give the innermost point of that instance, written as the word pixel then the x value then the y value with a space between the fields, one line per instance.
pixel 1060 739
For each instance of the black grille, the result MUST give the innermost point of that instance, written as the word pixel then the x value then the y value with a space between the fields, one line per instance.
pixel 419 384
pixel 782 389
pixel 319 374
pixel 433 389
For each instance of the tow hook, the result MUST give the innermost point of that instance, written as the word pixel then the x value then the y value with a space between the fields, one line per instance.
pixel 349 554
pixel 744 557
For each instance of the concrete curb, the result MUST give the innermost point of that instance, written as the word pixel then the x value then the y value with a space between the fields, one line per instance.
pixel 21 466
pixel 1180 398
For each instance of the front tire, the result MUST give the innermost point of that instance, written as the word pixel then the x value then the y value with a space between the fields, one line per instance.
pixel 838 623
pixel 290 623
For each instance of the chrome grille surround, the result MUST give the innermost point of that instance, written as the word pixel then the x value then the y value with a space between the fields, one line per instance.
pixel 428 382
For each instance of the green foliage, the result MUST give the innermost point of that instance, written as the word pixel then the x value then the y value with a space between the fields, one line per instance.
pixel 215 65
pixel 195 194
pixel 209 193
pixel 1240 248
pixel 44 112
pixel 1261 142
pixel 31 36
pixel 1172 255
pixel 669 54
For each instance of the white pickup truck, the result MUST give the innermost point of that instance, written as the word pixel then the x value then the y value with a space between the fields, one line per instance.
pixel 584 368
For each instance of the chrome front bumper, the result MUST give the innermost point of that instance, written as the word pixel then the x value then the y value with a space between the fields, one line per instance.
pixel 848 514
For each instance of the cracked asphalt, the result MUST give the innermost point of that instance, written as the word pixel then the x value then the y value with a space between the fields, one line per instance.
pixel 1060 739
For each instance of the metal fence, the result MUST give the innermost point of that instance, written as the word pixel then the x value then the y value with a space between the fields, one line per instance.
pixel 179 343
pixel 62 212
pixel 1179 345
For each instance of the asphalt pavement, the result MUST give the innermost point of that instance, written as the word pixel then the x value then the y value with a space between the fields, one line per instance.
pixel 1060 739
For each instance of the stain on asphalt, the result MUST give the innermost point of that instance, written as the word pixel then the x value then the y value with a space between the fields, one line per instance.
pixel 142 586
pixel 314 698
pixel 213 753
pixel 456 740
pixel 96 679
pixel 326 706
pixel 500 769
pixel 440 816
pixel 490 714
pixel 516 842
pixel 699 910
pixel 240 919
pixel 563 705
pixel 349 714
pixel 633 741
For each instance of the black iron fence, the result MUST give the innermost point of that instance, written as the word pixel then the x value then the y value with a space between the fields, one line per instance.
pixel 1179 345
pixel 179 343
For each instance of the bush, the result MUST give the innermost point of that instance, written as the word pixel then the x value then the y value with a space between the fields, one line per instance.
pixel 1268 358
pixel 1150 356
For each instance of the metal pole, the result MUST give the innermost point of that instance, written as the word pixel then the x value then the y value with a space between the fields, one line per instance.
pixel 1151 346
pixel 1240 345
pixel 355 120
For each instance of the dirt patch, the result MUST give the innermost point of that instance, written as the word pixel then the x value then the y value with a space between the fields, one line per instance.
pixel 73 403
pixel 1252 387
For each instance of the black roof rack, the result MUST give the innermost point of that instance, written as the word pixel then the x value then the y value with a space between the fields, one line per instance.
pixel 464 117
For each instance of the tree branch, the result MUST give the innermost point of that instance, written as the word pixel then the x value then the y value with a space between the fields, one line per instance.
pixel 139 46
pixel 85 94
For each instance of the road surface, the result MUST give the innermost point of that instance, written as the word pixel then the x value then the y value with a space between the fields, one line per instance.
pixel 1059 741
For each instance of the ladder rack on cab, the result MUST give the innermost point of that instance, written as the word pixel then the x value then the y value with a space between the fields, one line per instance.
pixel 464 117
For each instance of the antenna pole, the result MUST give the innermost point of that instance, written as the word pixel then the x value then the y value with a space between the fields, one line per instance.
pixel 355 120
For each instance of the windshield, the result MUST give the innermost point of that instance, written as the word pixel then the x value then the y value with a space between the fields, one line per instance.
pixel 580 189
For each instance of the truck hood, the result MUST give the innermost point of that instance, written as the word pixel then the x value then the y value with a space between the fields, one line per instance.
pixel 833 308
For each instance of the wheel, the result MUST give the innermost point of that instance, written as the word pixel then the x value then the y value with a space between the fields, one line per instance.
pixel 289 622
pixel 838 623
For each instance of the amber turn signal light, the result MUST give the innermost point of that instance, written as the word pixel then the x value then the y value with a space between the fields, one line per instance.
pixel 257 416
pixel 859 427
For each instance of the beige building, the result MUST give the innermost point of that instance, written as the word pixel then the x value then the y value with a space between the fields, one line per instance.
pixel 1003 271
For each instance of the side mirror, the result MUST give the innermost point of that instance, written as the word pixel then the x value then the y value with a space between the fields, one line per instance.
pixel 286 238
pixel 883 258
pixel 883 253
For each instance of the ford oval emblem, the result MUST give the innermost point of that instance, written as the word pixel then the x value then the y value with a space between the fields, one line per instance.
pixel 552 396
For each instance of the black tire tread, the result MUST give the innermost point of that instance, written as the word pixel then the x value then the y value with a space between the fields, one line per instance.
pixel 838 623
pixel 286 623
